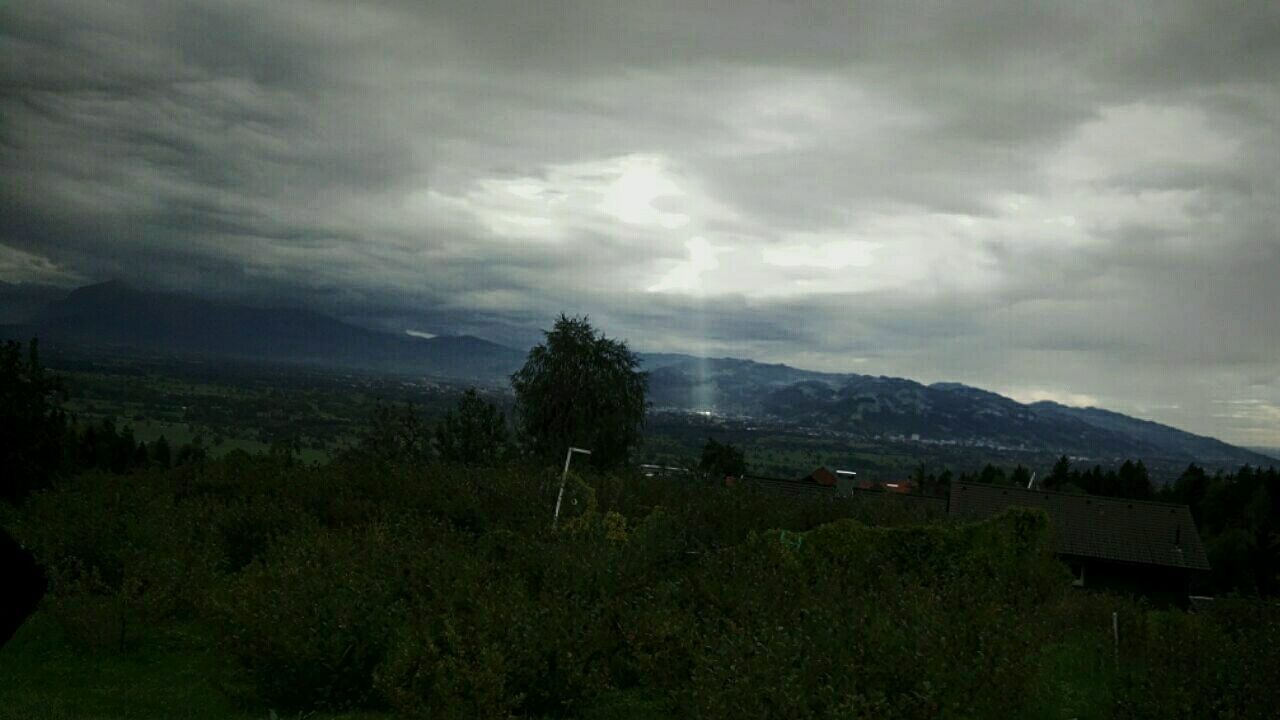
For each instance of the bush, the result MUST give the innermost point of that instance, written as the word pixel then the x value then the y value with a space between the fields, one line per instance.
pixel 312 619
pixel 505 626
pixel 442 591
pixel 119 552
pixel 848 620
pixel 1220 663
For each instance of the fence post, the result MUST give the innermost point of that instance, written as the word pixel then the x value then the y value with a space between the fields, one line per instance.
pixel 1115 634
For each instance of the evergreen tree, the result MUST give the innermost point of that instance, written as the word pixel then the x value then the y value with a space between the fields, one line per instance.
pixel 161 454
pixel 1190 488
pixel 1060 475
pixel 992 475
pixel 1020 477
pixel 33 426
pixel 943 485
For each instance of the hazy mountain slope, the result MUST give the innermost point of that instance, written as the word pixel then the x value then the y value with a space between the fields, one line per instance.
pixel 464 357
pixel 868 406
pixel 653 361
pixel 116 315
pixel 1170 440
pixel 725 385
pixel 1271 453
pixel 22 302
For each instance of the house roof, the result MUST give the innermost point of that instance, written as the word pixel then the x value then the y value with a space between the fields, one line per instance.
pixel 808 487
pixel 1132 531
pixel 822 476
pixel 804 486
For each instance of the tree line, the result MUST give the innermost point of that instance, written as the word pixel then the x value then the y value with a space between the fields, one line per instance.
pixel 1237 513
pixel 41 441
pixel 577 388
pixel 580 388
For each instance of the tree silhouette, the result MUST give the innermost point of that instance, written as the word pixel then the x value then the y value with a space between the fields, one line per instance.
pixel 579 388
pixel 32 424
pixel 1060 475
pixel 720 460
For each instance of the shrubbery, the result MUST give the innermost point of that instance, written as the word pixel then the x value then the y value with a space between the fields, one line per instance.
pixel 312 618
pixel 1224 663
pixel 443 591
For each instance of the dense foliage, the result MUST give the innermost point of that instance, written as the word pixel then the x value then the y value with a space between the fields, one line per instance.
pixel 31 423
pixel 1239 519
pixel 435 591
pixel 580 388
pixel 720 460
pixel 473 432
pixel 395 434
pixel 40 441
pixel 1129 480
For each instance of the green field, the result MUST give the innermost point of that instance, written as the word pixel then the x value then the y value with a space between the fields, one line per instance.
pixel 228 406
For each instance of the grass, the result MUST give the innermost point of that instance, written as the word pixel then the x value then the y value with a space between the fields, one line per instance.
pixel 1074 679
pixel 175 675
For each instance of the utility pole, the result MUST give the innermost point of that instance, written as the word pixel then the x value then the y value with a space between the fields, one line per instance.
pixel 564 477
pixel 846 481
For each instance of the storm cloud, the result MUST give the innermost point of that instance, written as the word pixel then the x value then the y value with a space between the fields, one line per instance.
pixel 1073 201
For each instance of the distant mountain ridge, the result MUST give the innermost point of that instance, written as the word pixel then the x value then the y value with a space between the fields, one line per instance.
pixel 1270 452
pixel 20 302
pixel 120 316
pixel 113 314
pixel 951 413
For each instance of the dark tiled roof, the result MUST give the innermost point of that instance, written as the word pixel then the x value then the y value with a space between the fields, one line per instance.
pixel 822 476
pixel 805 487
pixel 1134 531
pixel 933 504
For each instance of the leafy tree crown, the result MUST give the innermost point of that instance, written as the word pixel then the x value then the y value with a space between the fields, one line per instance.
pixel 580 388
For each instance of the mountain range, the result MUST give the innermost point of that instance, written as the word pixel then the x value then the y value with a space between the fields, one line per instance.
pixel 949 413
pixel 118 316
pixel 115 315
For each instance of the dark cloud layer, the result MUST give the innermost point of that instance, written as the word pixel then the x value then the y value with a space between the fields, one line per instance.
pixel 1072 201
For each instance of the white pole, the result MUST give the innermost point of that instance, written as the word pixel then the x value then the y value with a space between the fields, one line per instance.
pixel 564 477
pixel 1115 633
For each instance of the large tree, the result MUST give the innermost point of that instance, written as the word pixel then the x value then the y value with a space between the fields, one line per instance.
pixel 32 423
pixel 580 388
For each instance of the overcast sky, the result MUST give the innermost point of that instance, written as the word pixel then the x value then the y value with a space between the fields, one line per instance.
pixel 1078 202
